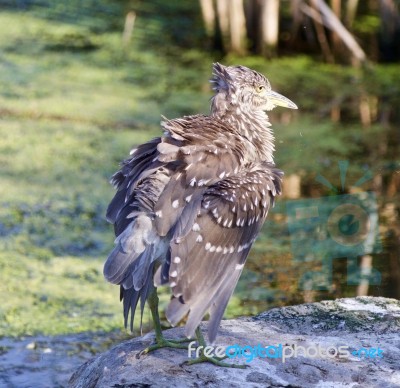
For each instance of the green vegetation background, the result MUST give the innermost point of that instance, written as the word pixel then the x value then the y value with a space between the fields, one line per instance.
pixel 73 102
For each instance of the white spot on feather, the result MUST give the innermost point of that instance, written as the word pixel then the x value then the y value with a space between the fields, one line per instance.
pixel 196 227
pixel 172 284
pixel 175 204
pixel 173 274
pixel 208 246
pixel 177 260
pixel 199 238
pixel 203 182
pixel 239 266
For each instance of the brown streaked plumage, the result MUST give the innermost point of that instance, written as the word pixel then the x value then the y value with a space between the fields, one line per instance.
pixel 189 204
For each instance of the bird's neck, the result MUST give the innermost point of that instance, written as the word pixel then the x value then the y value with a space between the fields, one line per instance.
pixel 254 127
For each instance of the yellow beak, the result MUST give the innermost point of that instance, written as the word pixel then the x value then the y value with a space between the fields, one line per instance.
pixel 279 100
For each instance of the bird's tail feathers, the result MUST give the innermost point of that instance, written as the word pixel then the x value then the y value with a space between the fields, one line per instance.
pixel 176 311
pixel 131 264
pixel 133 253
pixel 130 298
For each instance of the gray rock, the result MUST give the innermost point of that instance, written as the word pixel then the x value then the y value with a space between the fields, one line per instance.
pixel 364 323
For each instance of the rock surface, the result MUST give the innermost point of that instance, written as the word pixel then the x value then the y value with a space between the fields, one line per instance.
pixel 365 323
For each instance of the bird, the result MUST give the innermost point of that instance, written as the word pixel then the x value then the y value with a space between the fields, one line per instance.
pixel 190 203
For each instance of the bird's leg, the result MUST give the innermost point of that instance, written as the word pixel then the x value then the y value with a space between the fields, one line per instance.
pixel 161 342
pixel 214 360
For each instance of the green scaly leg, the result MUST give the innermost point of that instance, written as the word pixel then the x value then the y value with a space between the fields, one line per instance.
pixel 213 360
pixel 161 341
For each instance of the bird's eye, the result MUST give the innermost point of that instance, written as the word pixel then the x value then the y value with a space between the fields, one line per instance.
pixel 260 88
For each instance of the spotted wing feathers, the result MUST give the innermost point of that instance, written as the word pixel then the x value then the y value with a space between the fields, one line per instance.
pixel 206 263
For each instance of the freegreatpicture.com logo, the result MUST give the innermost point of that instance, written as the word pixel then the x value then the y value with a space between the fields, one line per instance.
pixel 283 352
pixel 335 227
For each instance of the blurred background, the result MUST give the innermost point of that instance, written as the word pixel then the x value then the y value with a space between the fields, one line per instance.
pixel 82 82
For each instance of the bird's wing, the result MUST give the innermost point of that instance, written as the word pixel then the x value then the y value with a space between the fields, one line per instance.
pixel 195 151
pixel 131 262
pixel 207 259
pixel 134 169
pixel 203 152
pixel 162 178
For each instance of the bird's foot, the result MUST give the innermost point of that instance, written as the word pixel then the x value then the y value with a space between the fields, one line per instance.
pixel 214 360
pixel 164 343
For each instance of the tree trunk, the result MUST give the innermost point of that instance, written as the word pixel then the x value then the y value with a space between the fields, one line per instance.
pixel 237 24
pixel 128 27
pixel 321 35
pixel 297 20
pixel 208 12
pixel 337 10
pixel 351 10
pixel 269 27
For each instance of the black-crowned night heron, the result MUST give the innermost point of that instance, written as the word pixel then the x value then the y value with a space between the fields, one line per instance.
pixel 189 204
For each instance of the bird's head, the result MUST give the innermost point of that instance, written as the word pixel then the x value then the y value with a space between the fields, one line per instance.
pixel 239 86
